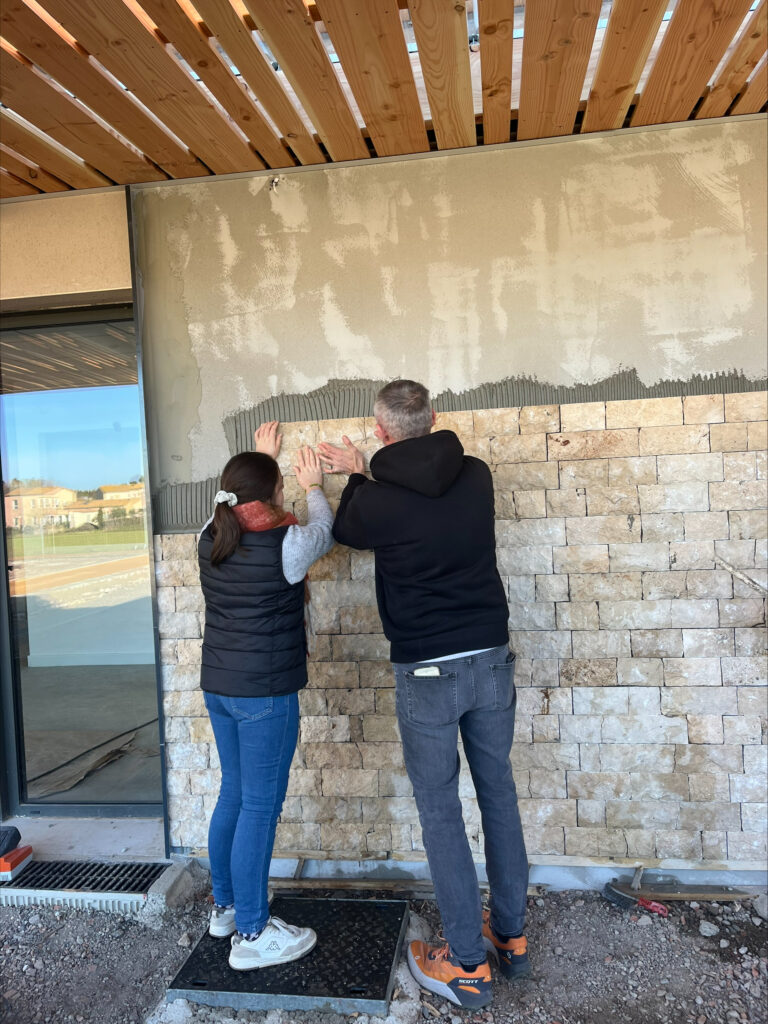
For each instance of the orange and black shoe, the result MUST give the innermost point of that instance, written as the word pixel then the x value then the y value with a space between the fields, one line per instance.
pixel 512 955
pixel 437 969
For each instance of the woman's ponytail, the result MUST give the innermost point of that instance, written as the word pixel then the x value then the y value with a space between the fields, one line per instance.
pixel 226 533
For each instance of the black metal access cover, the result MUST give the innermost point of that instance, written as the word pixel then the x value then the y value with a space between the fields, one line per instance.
pixel 86 876
pixel 352 967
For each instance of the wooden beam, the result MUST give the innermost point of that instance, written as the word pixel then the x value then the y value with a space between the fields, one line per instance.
pixel 442 38
pixel 22 168
pixel 497 19
pixel 368 38
pixel 556 47
pixel 55 160
pixel 292 37
pixel 742 62
pixel 694 43
pixel 632 29
pixel 195 47
pixel 77 72
pixel 12 187
pixel 45 105
pixel 112 34
pixel 235 37
pixel 755 96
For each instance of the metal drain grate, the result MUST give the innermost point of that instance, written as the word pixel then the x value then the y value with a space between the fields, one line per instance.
pixel 104 886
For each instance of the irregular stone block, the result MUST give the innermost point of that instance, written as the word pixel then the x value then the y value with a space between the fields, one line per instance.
pixel 675 469
pixel 519 448
pixel 742 612
pixel 748 525
pixel 692 496
pixel 678 844
pixel 606 501
pixel 603 643
pixel 602 529
pixel 746 405
pixel 600 700
pixel 657 643
pixel 738 466
pixel 703 409
pixel 580 615
pixel 526 476
pixel 584 473
pixel 645 814
pixel 638 557
pixel 728 437
pixel 644 412
pixel 539 419
pixel 591 672
pixel 632 471
pixel 707 643
pixel 490 422
pixel 570 501
pixel 593 444
pixel 644 729
pixel 732 495
pixel 581 558
pixel 751 671
pixel 582 416
pixel 552 588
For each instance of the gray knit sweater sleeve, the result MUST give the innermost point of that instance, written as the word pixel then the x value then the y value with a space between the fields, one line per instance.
pixel 303 545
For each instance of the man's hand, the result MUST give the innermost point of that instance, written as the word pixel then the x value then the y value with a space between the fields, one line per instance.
pixel 267 440
pixel 341 460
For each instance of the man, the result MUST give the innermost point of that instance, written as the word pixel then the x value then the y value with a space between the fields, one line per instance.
pixel 428 515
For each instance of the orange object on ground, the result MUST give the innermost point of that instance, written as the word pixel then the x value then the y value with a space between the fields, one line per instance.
pixel 13 862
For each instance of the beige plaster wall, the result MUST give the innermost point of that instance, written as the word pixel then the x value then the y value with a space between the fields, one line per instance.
pixel 64 244
pixel 565 261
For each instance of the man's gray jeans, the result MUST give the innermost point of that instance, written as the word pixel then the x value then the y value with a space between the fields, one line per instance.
pixel 474 697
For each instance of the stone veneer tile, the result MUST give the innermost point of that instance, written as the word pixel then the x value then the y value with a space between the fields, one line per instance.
pixel 703 409
pixel 747 405
pixel 593 444
pixel 582 416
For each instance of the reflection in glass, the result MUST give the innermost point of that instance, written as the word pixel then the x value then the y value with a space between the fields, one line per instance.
pixel 79 566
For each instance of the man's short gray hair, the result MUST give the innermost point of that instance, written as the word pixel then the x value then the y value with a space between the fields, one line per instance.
pixel 403 409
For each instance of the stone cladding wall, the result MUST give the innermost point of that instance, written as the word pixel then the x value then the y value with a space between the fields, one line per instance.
pixel 632 542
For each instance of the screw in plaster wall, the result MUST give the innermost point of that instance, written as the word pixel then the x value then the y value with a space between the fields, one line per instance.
pixel 273 183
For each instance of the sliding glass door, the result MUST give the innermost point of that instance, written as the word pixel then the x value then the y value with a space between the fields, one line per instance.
pixel 79 594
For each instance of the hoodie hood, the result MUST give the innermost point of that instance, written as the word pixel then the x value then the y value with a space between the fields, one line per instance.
pixel 428 465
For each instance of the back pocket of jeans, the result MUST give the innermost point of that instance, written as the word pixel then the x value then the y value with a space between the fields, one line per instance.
pixel 251 709
pixel 430 700
pixel 504 683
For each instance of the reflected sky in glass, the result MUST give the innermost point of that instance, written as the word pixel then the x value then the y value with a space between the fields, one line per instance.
pixel 79 437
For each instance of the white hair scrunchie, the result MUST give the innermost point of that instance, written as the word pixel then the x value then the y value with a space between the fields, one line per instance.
pixel 222 496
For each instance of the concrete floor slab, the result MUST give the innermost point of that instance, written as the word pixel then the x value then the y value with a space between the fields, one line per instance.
pixel 92 838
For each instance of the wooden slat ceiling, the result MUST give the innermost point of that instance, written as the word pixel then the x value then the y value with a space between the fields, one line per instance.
pixel 89 355
pixel 100 92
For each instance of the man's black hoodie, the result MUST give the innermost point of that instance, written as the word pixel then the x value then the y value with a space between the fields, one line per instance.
pixel 428 515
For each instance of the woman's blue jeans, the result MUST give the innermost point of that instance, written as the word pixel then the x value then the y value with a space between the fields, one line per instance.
pixel 473 697
pixel 256 739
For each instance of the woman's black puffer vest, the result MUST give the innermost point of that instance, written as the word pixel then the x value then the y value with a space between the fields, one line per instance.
pixel 254 644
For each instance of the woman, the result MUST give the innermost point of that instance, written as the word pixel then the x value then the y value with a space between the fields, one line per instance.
pixel 253 558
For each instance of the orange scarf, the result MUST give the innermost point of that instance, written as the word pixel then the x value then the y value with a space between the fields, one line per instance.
pixel 255 516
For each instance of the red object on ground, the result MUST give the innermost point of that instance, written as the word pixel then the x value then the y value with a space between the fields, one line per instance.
pixel 12 862
pixel 653 906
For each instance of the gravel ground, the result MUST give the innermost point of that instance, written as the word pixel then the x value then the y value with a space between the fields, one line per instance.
pixel 591 963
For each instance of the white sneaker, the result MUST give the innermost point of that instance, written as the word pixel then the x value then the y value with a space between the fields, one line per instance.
pixel 222 923
pixel 279 943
